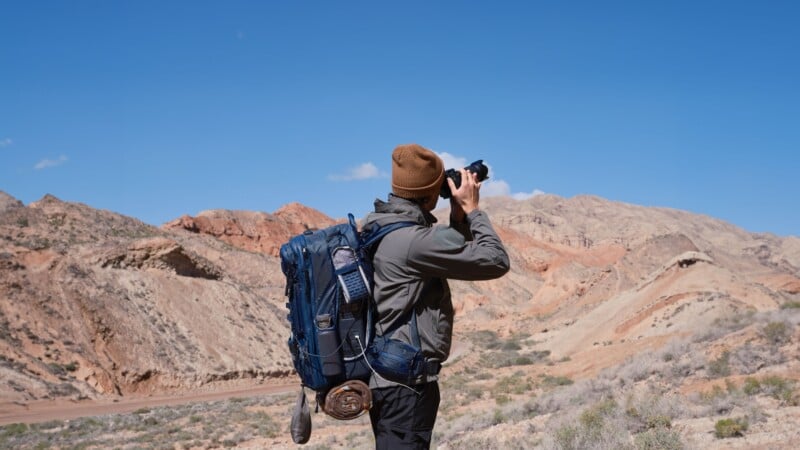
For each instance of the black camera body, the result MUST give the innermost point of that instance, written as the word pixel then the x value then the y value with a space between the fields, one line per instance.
pixel 477 167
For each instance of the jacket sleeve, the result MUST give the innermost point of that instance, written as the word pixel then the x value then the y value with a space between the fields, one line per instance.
pixel 445 252
pixel 462 228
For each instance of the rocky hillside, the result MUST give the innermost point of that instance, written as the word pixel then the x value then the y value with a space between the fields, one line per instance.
pixel 94 303
pixel 597 281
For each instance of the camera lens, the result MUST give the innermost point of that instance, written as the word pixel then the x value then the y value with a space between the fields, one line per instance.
pixel 477 167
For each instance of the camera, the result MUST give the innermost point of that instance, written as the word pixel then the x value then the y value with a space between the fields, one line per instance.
pixel 477 167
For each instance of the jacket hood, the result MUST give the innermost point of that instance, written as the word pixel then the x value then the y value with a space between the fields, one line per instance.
pixel 398 209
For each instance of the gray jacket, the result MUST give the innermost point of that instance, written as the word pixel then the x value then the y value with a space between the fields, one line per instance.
pixel 412 265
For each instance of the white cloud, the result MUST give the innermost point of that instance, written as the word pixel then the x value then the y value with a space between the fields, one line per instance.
pixel 492 187
pixel 495 188
pixel 47 163
pixel 452 161
pixel 527 195
pixel 5 142
pixel 362 172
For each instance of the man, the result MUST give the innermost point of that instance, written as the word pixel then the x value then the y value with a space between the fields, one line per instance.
pixel 412 265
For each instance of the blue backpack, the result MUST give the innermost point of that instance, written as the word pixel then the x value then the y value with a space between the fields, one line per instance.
pixel 331 310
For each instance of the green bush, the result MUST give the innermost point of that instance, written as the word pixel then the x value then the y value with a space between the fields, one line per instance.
pixel 508 358
pixel 514 384
pixel 523 361
pixel 56 369
pixel 502 399
pixel 498 417
pixel 751 386
pixel 549 381
pixel 790 305
pixel 780 389
pixel 658 421
pixel 727 428
pixel 14 429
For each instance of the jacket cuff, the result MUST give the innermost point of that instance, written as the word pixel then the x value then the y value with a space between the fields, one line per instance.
pixel 473 214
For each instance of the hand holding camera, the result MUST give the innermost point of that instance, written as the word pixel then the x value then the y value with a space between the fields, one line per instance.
pixel 463 188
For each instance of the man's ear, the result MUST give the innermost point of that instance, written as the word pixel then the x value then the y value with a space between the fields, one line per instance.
pixel 432 201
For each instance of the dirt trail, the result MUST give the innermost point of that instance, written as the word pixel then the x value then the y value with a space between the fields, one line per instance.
pixel 43 411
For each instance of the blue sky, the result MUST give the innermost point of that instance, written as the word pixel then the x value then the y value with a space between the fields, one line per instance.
pixel 159 109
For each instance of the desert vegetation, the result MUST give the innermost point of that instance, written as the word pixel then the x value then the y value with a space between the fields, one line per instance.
pixel 220 424
pixel 688 394
pixel 670 399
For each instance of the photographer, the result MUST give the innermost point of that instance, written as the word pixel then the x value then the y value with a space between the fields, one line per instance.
pixel 412 266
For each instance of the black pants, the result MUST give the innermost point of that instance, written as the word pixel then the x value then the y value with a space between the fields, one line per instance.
pixel 403 418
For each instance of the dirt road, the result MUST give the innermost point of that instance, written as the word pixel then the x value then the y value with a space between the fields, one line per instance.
pixel 44 410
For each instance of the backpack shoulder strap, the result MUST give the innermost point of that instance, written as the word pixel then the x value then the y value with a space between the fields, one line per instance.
pixel 369 241
pixel 373 235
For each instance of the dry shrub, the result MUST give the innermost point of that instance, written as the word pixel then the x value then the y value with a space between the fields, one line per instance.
pixel 208 424
pixel 777 333
pixel 725 325
pixel 607 425
pixel 599 427
pixel 781 389
pixel 569 397
pixel 748 359
pixel 659 439
pixel 727 428
pixel 516 384
pixel 720 367
pixel 649 410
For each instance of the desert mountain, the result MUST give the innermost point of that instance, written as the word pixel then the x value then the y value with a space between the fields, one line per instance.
pixel 93 303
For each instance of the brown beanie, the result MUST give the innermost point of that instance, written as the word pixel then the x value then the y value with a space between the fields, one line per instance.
pixel 416 172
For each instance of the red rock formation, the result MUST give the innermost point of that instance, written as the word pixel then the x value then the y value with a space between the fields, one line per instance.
pixel 254 231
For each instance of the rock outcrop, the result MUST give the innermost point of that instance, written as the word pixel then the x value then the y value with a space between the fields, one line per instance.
pixel 253 231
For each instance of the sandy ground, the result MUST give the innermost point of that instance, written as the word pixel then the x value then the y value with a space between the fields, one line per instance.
pixel 43 411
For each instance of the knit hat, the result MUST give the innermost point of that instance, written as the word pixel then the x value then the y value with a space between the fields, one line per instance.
pixel 416 172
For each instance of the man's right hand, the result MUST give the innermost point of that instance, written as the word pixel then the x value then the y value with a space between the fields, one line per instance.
pixel 464 199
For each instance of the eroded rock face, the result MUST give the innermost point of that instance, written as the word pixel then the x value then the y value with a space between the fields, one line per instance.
pixel 163 254
pixel 96 303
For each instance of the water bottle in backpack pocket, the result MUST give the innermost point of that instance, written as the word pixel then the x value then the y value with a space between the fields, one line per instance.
pixel 328 338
